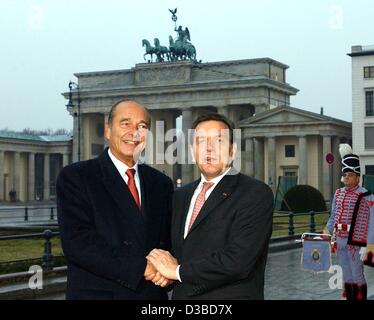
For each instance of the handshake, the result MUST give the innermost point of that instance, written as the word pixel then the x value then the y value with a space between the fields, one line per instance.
pixel 161 268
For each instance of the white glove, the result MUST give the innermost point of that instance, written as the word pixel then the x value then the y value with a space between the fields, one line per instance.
pixel 363 253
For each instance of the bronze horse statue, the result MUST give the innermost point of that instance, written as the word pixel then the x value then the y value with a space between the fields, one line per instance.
pixel 148 49
pixel 161 51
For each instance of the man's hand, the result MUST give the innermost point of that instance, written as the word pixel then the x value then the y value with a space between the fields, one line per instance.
pixel 369 259
pixel 164 262
pixel 151 274
pixel 326 231
pixel 150 271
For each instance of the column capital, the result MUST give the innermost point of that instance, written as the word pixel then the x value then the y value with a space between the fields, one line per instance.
pixel 187 112
pixel 249 137
pixel 223 110
pixel 182 109
pixel 258 139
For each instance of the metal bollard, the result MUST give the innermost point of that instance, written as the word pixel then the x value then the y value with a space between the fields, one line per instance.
pixel 291 229
pixel 312 222
pixel 26 214
pixel 52 215
pixel 47 256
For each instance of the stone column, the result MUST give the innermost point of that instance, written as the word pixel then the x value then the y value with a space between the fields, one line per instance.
pixel 259 159
pixel 187 169
pixel 85 147
pixel 2 164
pixel 303 160
pixel 224 111
pixel 249 163
pixel 75 139
pixel 65 159
pixel 326 171
pixel 31 174
pixel 336 167
pixel 272 164
pixel 16 174
pixel 46 177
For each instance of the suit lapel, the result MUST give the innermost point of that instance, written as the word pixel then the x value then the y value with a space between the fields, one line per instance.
pixel 220 193
pixel 121 194
pixel 145 191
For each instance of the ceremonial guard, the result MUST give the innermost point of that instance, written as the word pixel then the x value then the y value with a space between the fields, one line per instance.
pixel 352 223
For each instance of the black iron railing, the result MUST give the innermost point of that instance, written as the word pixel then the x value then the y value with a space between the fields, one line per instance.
pixel 47 256
pixel 285 225
pixel 27 214
pixel 289 224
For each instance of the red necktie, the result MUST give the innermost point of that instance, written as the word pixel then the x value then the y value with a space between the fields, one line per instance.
pixel 132 187
pixel 199 202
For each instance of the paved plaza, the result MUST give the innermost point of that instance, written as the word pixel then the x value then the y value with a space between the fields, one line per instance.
pixel 285 280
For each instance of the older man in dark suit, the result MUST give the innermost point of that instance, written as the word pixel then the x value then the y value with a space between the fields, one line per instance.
pixel 221 224
pixel 112 212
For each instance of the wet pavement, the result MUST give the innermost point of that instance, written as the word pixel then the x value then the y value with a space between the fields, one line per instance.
pixel 285 280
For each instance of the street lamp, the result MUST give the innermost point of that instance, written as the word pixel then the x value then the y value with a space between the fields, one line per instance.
pixel 70 106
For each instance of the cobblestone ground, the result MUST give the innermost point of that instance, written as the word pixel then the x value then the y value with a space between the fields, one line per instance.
pixel 285 280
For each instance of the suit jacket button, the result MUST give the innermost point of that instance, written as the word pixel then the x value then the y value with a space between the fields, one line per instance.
pixel 126 243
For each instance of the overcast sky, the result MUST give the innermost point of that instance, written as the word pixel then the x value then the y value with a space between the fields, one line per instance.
pixel 43 43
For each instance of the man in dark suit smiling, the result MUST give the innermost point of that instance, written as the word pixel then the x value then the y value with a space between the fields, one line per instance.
pixel 112 212
pixel 221 224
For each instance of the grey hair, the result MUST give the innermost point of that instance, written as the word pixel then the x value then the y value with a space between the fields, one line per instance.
pixel 114 107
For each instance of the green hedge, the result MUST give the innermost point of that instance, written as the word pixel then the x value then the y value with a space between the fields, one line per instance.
pixel 303 199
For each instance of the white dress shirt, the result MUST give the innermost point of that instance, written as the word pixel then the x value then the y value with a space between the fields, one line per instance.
pixel 122 168
pixel 216 180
